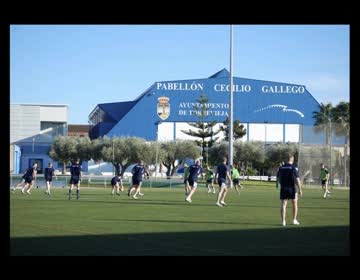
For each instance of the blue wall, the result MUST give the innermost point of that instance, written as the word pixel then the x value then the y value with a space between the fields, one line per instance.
pixel 255 101
pixel 40 152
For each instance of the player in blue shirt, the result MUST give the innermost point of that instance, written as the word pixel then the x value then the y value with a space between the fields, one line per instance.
pixel 222 172
pixel 138 171
pixel 75 179
pixel 115 181
pixel 194 172
pixel 48 174
pixel 288 178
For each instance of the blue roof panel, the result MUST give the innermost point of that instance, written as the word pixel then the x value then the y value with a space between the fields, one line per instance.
pixel 118 109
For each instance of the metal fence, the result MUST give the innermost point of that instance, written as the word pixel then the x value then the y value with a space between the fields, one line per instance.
pixel 318 147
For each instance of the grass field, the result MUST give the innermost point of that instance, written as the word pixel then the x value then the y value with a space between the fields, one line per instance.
pixel 162 223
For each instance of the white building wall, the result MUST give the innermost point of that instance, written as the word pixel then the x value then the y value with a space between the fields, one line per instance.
pixel 53 113
pixel 292 132
pixel 257 132
pixel 166 131
pixel 24 122
pixel 25 119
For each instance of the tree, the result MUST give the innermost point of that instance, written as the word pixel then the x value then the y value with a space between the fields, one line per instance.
pixel 204 129
pixel 63 150
pixel 341 114
pixel 83 149
pixel 277 153
pixel 250 152
pixel 238 129
pixel 323 118
pixel 217 152
pixel 122 152
pixel 176 152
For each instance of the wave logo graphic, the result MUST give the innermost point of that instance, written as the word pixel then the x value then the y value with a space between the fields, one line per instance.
pixel 284 108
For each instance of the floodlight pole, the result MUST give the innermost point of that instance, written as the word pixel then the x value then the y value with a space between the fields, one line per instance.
pixel 113 155
pixel 231 155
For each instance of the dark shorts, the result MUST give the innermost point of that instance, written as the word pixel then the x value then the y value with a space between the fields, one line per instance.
pixel 74 180
pixel 192 183
pixel 323 182
pixel 136 181
pixel 287 193
pixel 236 181
pixel 186 181
pixel 114 183
pixel 209 181
pixel 28 180
pixel 221 181
pixel 48 179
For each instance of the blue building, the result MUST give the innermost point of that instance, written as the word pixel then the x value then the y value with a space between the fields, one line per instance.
pixel 33 128
pixel 270 111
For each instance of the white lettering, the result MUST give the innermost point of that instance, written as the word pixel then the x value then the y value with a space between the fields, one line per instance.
pixel 282 89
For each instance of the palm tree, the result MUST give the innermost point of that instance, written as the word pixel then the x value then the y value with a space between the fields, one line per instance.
pixel 341 116
pixel 323 119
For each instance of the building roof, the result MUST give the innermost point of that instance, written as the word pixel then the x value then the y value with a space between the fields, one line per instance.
pixel 224 73
pixel 118 109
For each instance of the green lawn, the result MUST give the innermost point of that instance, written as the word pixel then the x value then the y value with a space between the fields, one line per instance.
pixel 162 223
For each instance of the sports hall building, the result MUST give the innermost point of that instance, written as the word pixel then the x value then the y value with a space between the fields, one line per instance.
pixel 270 111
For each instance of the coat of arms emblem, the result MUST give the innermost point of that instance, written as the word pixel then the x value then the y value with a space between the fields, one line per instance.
pixel 163 107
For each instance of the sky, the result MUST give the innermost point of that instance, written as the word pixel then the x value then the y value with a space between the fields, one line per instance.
pixel 84 65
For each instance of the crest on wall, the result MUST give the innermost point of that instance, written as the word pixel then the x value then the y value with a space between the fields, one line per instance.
pixel 163 107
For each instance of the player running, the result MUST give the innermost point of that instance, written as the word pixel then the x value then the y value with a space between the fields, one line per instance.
pixel 194 172
pixel 222 172
pixel 48 174
pixel 138 171
pixel 209 176
pixel 324 177
pixel 75 179
pixel 235 175
pixel 186 180
pixel 116 182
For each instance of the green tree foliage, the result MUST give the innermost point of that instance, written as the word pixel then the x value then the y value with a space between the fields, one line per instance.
pixel 122 152
pixel 249 152
pixel 173 153
pixel 277 153
pixel 204 130
pixel 238 129
pixel 323 117
pixel 64 149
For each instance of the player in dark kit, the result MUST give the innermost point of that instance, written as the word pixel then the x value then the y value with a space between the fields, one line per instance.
pixel 29 177
pixel 75 170
pixel 48 174
pixel 194 172
pixel 116 182
pixel 138 171
pixel 222 172
pixel 288 178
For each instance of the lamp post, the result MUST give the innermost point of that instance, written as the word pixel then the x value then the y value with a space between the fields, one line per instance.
pixel 157 146
pixel 33 143
pixel 230 162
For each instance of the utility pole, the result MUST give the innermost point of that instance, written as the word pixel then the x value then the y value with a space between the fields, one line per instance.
pixel 231 133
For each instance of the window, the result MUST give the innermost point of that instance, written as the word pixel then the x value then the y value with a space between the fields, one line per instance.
pixel 53 128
